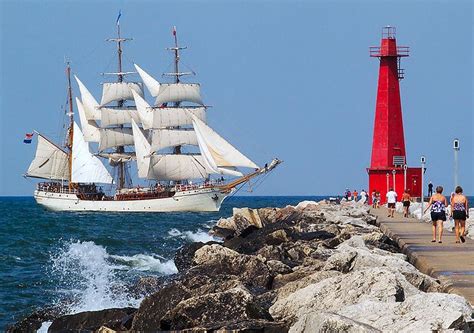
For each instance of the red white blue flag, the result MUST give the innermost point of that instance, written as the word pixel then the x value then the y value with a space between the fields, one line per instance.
pixel 28 137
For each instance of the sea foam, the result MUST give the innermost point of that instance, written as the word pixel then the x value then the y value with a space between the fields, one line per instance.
pixel 193 236
pixel 142 262
pixel 91 277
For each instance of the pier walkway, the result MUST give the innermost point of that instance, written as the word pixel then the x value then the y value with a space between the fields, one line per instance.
pixel 451 263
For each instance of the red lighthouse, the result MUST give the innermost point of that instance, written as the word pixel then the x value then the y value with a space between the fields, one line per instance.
pixel 388 166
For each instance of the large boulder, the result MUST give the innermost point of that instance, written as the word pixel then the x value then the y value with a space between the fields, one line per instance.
pixel 183 258
pixel 309 279
pixel 333 293
pixel 211 260
pixel 424 312
pixel 330 322
pixel 396 262
pixel 209 309
pixel 241 219
pixel 154 307
pixel 116 319
pixel 214 252
pixel 341 261
pixel 33 322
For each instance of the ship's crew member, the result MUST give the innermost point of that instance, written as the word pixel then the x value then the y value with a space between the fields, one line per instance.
pixel 406 199
pixel 438 205
pixel 391 201
pixel 459 212
pixel 430 189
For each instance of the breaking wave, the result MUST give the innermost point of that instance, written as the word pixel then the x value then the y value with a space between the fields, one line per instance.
pixel 148 263
pixel 93 279
pixel 193 236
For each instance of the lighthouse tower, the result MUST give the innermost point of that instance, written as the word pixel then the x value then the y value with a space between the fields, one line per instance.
pixel 388 166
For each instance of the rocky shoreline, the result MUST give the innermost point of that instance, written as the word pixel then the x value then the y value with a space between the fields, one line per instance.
pixel 309 268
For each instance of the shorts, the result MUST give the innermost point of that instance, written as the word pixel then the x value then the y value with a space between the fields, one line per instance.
pixel 459 215
pixel 391 205
pixel 406 203
pixel 437 216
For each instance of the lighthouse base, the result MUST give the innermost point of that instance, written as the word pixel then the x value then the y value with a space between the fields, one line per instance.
pixel 382 179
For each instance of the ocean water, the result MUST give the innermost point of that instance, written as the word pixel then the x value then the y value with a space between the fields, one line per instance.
pixel 89 259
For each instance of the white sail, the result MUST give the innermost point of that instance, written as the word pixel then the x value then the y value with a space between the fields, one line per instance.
pixel 113 117
pixel 116 91
pixel 115 137
pixel 151 84
pixel 144 110
pixel 163 138
pixel 50 162
pixel 217 151
pixel 179 92
pixel 177 167
pixel 142 151
pixel 91 107
pixel 90 129
pixel 169 117
pixel 86 168
pixel 165 117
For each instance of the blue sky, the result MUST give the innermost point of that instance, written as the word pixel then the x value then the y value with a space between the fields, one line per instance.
pixel 291 79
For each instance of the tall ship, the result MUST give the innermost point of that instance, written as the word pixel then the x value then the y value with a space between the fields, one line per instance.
pixel 186 164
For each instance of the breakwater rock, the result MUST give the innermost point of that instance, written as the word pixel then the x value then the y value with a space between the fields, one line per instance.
pixel 314 267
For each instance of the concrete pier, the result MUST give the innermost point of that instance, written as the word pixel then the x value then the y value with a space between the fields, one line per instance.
pixel 449 262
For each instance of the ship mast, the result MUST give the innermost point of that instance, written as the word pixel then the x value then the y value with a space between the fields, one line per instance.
pixel 176 74
pixel 71 122
pixel 120 103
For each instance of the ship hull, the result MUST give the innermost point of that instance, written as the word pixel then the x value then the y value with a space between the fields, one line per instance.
pixel 205 200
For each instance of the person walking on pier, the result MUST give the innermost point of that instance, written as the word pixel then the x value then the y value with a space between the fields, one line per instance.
pixel 438 205
pixel 459 212
pixel 391 201
pixel 430 189
pixel 406 198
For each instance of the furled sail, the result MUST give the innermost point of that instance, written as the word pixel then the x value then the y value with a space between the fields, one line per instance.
pixel 115 158
pixel 179 92
pixel 115 137
pixel 163 138
pixel 86 168
pixel 90 129
pixel 91 107
pixel 219 155
pixel 112 117
pixel 142 151
pixel 50 162
pixel 116 91
pixel 151 84
pixel 177 167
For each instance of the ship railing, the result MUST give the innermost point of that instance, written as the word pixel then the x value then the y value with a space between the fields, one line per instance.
pixel 198 186
pixel 55 188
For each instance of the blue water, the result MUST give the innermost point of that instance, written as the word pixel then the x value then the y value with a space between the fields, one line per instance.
pixel 90 258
